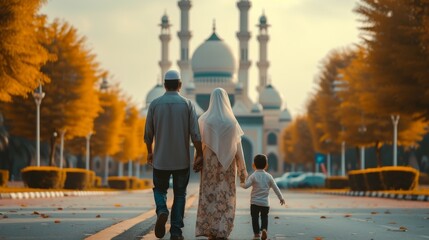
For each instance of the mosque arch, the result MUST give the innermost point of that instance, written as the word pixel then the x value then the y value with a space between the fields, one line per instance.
pixel 272 139
pixel 248 152
pixel 272 162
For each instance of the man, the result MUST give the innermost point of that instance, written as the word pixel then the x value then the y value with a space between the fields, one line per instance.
pixel 171 121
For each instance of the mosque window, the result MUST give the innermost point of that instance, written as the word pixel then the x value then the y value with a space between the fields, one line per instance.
pixel 272 139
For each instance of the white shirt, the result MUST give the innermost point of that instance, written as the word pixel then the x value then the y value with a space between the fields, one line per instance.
pixel 261 183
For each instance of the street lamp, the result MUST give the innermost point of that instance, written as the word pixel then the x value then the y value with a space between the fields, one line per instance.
pixel 62 133
pixel 88 137
pixel 38 95
pixel 395 120
pixel 104 86
pixel 362 129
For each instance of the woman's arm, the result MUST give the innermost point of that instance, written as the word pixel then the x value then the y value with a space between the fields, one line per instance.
pixel 241 165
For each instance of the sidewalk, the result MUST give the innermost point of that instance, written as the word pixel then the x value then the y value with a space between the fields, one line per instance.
pixel 243 226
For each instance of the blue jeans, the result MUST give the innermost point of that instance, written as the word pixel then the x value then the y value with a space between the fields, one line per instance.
pixel 161 183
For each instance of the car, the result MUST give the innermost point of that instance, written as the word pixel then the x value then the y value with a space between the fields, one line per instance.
pixel 282 182
pixel 308 180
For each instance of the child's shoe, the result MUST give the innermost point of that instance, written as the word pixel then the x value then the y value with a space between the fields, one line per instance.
pixel 256 237
pixel 264 234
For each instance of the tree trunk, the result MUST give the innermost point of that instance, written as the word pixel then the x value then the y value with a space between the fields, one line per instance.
pixel 378 154
pixel 52 153
pixel 358 157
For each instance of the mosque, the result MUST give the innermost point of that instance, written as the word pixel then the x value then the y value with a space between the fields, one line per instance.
pixel 213 65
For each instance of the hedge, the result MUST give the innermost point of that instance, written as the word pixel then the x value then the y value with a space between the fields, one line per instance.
pixel 97 182
pixel 357 180
pixel 43 177
pixel 4 177
pixel 118 182
pixel 374 179
pixel 78 178
pixel 400 178
pixel 127 183
pixel 384 178
pixel 336 182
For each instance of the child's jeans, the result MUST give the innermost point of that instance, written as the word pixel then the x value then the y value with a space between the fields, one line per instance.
pixel 255 210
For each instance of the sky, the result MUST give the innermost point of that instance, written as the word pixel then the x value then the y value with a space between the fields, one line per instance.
pixel 124 36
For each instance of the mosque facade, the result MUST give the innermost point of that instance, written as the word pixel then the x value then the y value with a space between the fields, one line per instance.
pixel 213 65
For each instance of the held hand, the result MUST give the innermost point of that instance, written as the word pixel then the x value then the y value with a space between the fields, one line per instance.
pixel 198 164
pixel 150 159
pixel 282 202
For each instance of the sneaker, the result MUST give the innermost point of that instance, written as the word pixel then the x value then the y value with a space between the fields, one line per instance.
pixel 256 237
pixel 160 225
pixel 264 234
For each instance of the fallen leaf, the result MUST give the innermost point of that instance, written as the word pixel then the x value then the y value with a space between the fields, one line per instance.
pixel 318 238
pixel 98 216
pixel 84 208
pixel 374 213
pixel 36 213
pixel 387 212
pixel 322 217
pixel 44 215
pixel 402 228
pixel 23 205
pixel 60 208
pixel 118 205
pixel 347 215
pixel 276 217
pixel 57 221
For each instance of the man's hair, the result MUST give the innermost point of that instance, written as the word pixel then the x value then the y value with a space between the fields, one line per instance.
pixel 260 161
pixel 172 85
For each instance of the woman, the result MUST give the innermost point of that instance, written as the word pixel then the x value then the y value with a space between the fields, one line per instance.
pixel 223 156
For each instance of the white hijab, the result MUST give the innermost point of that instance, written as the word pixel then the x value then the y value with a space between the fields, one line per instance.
pixel 219 128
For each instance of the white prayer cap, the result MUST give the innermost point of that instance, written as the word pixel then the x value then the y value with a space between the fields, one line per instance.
pixel 172 75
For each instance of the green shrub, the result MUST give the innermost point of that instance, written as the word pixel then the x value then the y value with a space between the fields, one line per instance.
pixel 400 178
pixel 77 178
pixel 97 182
pixel 43 177
pixel 116 182
pixel 336 182
pixel 4 177
pixel 423 179
pixel 374 179
pixel 357 180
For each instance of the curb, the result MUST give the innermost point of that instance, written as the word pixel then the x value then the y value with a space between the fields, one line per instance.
pixel 409 197
pixel 52 194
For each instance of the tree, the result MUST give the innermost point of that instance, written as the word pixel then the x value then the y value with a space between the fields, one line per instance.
pixel 71 102
pixel 21 55
pixel 394 35
pixel 108 126
pixel 356 112
pixel 131 148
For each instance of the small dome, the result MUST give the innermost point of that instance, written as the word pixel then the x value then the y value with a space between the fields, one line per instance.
pixel 270 98
pixel 213 59
pixel 285 116
pixel 263 20
pixel 154 93
pixel 257 108
pixel 164 19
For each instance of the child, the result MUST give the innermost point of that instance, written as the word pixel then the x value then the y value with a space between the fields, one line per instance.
pixel 261 183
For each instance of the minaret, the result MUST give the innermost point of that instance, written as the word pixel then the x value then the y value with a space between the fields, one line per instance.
pixel 263 62
pixel 165 37
pixel 184 36
pixel 243 36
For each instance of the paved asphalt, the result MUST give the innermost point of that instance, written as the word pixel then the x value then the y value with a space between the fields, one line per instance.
pixel 307 216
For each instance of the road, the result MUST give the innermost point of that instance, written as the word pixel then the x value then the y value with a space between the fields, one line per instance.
pixel 130 215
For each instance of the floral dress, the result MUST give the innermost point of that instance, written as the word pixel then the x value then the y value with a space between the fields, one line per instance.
pixel 216 207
